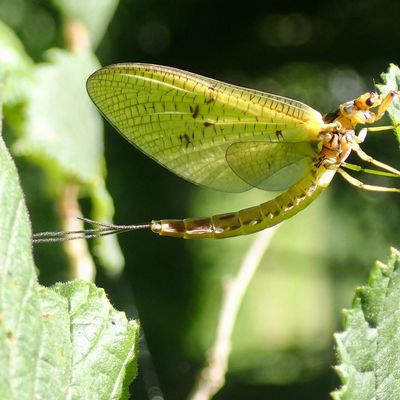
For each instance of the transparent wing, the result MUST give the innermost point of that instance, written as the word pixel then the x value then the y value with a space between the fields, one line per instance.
pixel 187 122
pixel 271 165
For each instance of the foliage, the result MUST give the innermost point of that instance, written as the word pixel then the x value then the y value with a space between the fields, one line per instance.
pixel 66 340
pixel 368 347
pixel 58 342
pixel 391 81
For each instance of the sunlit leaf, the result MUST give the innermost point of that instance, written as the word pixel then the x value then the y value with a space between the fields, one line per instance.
pixel 62 126
pixel 16 63
pixel 64 133
pixel 103 341
pixel 20 326
pixel 66 341
pixel 368 349
pixel 391 81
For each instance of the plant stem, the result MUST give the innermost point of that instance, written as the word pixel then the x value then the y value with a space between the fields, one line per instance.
pixel 212 377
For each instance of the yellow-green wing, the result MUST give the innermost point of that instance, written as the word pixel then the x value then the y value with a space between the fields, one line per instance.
pixel 271 166
pixel 187 122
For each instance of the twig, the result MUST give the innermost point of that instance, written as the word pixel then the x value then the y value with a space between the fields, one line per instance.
pixel 81 263
pixel 212 377
pixel 76 36
pixel 80 260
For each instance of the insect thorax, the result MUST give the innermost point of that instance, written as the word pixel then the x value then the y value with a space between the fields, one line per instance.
pixel 336 147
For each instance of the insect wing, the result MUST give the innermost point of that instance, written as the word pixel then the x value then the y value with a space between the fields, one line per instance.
pixel 187 122
pixel 271 166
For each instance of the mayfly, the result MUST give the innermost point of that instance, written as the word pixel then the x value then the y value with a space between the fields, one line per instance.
pixel 232 139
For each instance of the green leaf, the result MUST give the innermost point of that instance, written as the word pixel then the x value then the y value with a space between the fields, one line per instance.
pixel 62 125
pixel 63 342
pixel 20 326
pixel 17 65
pixel 391 81
pixel 95 14
pixel 64 133
pixel 368 349
pixel 104 342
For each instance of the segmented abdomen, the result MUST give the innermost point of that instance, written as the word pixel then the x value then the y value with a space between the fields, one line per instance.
pixel 252 219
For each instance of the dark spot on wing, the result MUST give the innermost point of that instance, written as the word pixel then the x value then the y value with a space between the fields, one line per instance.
pixel 185 140
pixel 194 111
pixel 279 134
pixel 211 99
pixel 208 123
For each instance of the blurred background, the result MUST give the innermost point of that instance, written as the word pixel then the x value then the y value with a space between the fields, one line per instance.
pixel 322 53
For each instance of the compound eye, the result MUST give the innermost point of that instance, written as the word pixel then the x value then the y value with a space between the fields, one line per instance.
pixel 370 101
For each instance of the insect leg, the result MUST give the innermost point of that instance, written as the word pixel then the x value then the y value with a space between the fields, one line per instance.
pixel 367 158
pixel 358 168
pixel 385 104
pixel 361 185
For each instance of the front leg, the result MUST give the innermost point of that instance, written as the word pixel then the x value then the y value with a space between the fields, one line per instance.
pixel 385 104
pixel 367 158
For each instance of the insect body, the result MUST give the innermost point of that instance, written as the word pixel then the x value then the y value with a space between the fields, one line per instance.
pixel 336 141
pixel 232 139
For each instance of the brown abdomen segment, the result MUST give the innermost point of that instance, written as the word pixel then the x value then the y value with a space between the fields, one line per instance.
pixel 249 220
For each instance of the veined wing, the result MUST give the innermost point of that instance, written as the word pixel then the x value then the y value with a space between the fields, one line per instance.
pixel 271 166
pixel 187 122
